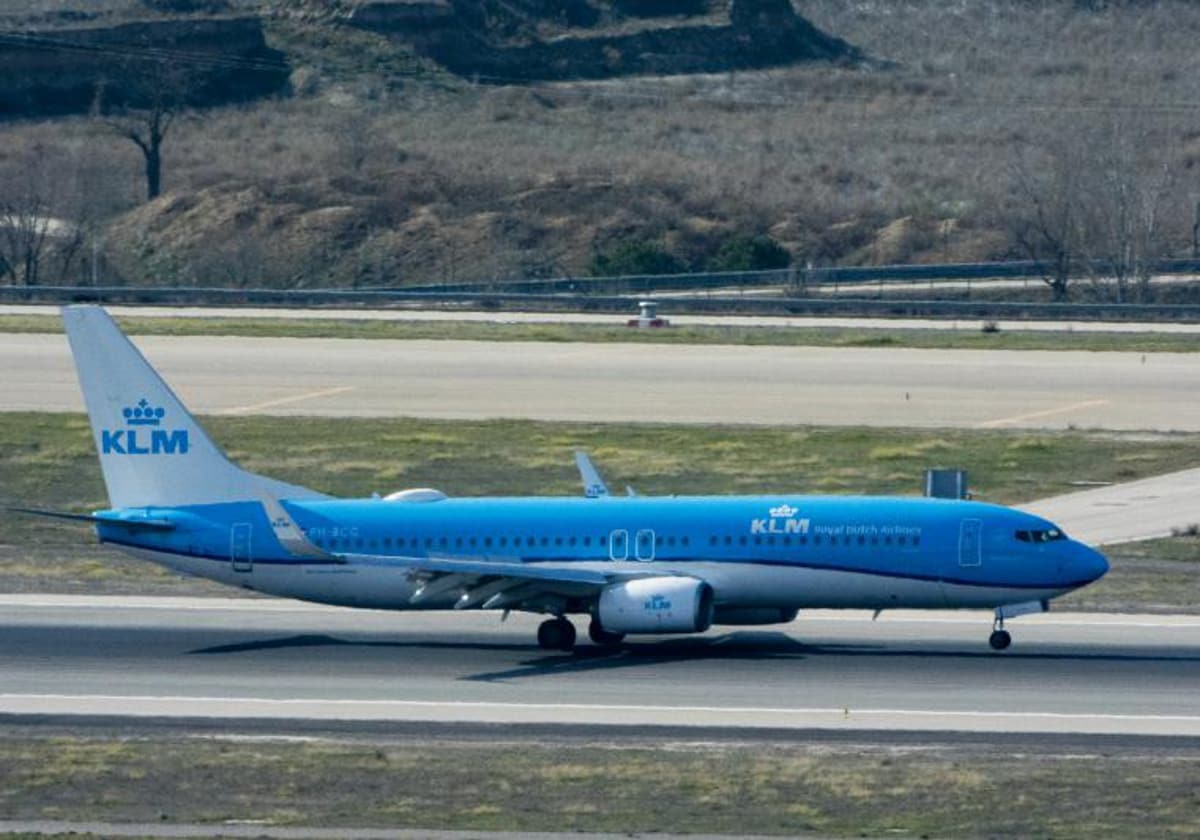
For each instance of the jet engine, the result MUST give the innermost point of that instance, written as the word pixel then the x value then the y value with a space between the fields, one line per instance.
pixel 656 605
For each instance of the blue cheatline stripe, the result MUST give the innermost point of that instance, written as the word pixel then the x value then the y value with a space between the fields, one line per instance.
pixel 383 563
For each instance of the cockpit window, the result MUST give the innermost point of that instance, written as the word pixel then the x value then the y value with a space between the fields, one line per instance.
pixel 1048 535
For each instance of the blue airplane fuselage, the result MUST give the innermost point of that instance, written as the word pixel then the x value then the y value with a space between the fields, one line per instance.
pixel 759 551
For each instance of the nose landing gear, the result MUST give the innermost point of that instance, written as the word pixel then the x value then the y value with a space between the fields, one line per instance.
pixel 1000 638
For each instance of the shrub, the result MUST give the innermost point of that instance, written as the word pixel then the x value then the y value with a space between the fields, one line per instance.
pixel 642 257
pixel 750 253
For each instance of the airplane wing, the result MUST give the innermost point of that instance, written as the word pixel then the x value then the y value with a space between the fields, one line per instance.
pixel 501 584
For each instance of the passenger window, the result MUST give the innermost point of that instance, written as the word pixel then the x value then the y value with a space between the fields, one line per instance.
pixel 728 540
pixel 683 541
pixel 558 540
pixel 571 541
pixel 472 542
pixel 862 540
pixel 712 540
pixel 741 540
pixel 587 540
pixel 916 541
pixel 458 542
pixel 487 542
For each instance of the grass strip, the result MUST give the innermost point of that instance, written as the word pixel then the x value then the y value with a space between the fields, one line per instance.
pixel 599 333
pixel 619 787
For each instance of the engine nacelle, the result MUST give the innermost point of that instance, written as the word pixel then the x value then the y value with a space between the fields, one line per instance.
pixel 749 616
pixel 656 605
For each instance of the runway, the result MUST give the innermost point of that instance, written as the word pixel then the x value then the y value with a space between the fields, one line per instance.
pixel 700 384
pixel 269 659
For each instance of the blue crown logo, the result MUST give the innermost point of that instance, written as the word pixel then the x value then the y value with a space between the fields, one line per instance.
pixel 143 414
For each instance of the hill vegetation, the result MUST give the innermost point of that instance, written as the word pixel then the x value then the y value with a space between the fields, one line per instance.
pixel 996 129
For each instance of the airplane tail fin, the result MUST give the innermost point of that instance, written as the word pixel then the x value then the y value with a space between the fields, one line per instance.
pixel 152 451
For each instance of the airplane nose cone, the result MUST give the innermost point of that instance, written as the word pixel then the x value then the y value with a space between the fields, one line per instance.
pixel 1090 564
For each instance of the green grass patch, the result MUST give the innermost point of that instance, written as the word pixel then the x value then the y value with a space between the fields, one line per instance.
pixel 938 791
pixel 562 333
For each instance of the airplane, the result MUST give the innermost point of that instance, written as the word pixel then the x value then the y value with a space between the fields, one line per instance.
pixel 629 564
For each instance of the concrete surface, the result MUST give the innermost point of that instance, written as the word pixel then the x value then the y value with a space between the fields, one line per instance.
pixel 630 382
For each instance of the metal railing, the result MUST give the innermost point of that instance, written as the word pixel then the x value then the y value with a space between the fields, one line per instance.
pixel 483 300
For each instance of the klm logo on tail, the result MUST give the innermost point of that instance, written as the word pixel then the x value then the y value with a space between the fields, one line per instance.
pixel 143 435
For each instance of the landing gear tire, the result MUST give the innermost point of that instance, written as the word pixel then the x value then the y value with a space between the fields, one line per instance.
pixel 556 634
pixel 1000 640
pixel 602 637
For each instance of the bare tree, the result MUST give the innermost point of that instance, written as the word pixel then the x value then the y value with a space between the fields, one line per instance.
pixel 1132 188
pixel 145 113
pixel 1048 219
pixel 32 239
pixel 1096 203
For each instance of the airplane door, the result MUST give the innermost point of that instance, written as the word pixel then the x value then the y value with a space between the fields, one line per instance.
pixel 644 545
pixel 970 546
pixel 239 547
pixel 618 545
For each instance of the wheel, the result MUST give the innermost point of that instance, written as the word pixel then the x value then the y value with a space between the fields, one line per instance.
pixel 1000 640
pixel 602 637
pixel 556 634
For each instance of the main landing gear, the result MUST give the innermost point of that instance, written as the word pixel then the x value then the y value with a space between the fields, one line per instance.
pixel 559 634
pixel 1000 638
pixel 602 637
pixel 556 634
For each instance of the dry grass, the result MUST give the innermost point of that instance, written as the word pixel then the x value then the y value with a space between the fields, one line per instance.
pixel 848 790
pixel 436 183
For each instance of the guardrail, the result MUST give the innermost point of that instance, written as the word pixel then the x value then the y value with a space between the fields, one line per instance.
pixel 773 306
pixel 790 277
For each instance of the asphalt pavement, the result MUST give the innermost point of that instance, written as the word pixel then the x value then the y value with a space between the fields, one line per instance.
pixel 272 659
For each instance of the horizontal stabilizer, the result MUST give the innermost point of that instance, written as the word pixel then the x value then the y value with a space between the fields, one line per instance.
pixel 137 524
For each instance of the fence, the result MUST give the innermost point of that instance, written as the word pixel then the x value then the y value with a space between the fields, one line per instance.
pixel 773 306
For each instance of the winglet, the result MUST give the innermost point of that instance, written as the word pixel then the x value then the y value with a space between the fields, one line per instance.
pixel 593 485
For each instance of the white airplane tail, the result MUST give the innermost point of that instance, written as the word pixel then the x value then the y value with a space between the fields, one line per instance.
pixel 152 451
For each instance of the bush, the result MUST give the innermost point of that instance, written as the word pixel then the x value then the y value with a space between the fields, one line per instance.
pixel 750 253
pixel 645 257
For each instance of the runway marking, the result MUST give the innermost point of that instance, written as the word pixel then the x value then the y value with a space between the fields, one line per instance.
pixel 1035 415
pixel 328 392
pixel 585 713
